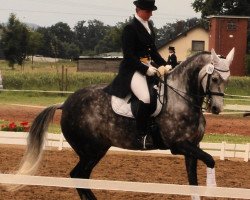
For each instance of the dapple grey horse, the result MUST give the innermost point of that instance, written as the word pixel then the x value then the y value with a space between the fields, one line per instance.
pixel 91 127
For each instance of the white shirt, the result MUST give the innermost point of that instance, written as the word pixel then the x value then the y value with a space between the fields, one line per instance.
pixel 144 23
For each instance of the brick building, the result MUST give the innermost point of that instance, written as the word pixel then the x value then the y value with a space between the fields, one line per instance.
pixel 227 32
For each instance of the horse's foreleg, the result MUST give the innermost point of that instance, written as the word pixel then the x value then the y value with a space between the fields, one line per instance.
pixel 191 167
pixel 190 150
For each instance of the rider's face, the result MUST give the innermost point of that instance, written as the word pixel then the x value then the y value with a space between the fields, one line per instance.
pixel 144 14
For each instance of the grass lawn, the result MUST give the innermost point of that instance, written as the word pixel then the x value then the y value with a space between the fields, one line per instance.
pixel 238 102
pixel 233 139
pixel 27 98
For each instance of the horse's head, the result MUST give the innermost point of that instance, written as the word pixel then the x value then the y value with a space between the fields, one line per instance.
pixel 213 78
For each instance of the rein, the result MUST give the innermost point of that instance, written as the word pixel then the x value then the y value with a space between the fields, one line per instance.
pixel 208 93
pixel 164 82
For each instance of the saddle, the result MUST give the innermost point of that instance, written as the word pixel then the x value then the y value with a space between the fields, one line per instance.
pixel 127 107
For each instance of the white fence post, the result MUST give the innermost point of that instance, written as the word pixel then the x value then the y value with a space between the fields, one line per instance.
pixel 246 158
pixel 222 151
pixel 60 147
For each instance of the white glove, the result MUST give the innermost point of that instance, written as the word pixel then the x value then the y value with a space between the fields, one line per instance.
pixel 151 71
pixel 168 67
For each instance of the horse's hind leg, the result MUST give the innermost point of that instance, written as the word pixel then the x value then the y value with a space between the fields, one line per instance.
pixel 84 168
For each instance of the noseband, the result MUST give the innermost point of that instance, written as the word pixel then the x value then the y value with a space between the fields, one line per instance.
pixel 209 74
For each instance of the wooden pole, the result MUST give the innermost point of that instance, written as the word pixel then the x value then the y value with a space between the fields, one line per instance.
pixel 66 79
pixel 62 80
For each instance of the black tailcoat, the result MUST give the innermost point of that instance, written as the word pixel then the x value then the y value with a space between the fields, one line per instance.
pixel 136 43
pixel 172 60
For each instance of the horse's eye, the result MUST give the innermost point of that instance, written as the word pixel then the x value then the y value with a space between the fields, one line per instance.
pixel 215 80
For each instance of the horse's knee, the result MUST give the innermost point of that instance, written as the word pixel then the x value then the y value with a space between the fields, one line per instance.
pixel 210 161
pixel 174 151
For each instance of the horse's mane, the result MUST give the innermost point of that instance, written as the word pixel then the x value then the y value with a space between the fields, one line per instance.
pixel 186 73
pixel 195 61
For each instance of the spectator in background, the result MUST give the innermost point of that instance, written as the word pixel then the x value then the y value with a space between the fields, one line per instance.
pixel 172 59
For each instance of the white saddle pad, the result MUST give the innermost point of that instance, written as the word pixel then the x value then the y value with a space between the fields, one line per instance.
pixel 123 108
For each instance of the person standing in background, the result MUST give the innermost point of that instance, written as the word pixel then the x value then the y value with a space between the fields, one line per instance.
pixel 172 59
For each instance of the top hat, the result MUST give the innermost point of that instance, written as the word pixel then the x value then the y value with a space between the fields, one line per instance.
pixel 171 48
pixel 146 4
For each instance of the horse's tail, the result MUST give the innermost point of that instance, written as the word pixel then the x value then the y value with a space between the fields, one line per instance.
pixel 35 143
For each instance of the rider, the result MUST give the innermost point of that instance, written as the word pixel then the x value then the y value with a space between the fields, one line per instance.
pixel 139 50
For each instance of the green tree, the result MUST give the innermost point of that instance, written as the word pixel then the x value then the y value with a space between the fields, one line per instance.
pixel 72 51
pixel 56 46
pixel 222 7
pixel 62 31
pixel 15 40
pixel 35 42
pixel 111 41
pixel 1 50
pixel 89 35
pixel 46 48
pixel 171 30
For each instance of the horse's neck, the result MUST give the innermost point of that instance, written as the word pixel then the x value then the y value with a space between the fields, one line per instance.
pixel 186 85
pixel 185 75
pixel 186 81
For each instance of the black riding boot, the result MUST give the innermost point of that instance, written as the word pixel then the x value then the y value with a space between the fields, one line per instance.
pixel 142 116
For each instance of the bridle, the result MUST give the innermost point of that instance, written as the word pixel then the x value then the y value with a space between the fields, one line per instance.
pixel 207 93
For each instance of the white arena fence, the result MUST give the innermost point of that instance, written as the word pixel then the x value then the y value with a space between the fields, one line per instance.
pixel 155 188
pixel 223 150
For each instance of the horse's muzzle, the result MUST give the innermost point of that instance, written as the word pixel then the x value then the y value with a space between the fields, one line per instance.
pixel 215 110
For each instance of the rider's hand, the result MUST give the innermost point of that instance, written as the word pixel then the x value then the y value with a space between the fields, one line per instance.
pixel 162 70
pixel 151 71
pixel 168 68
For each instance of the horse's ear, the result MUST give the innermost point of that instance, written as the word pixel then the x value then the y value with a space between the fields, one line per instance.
pixel 215 58
pixel 230 56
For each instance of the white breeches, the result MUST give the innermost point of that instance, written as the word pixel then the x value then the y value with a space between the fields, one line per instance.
pixel 139 87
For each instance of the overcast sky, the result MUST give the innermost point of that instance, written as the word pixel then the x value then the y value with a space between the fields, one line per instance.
pixel 49 12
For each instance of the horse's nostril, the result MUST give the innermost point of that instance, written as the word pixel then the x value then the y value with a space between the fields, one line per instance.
pixel 215 110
